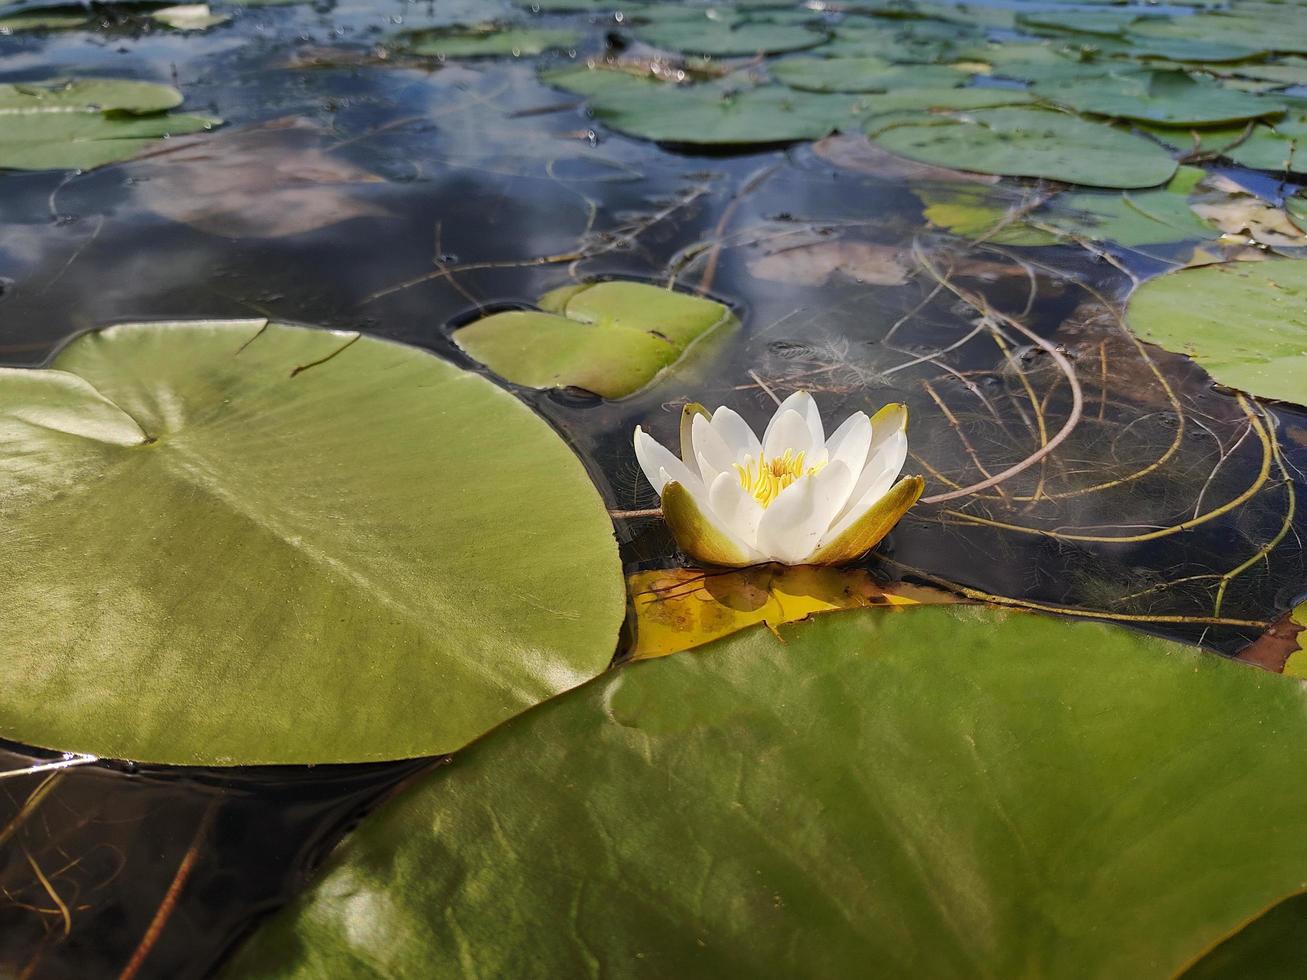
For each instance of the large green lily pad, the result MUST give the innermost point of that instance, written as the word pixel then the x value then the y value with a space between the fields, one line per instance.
pixel 86 123
pixel 1244 322
pixel 1168 98
pixel 611 338
pixel 244 542
pixel 719 113
pixel 936 792
pixel 1029 143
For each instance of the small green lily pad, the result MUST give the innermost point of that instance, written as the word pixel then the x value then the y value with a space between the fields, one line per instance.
pixel 934 792
pixel 241 542
pixel 81 124
pixel 1029 143
pixel 1244 322
pixel 611 338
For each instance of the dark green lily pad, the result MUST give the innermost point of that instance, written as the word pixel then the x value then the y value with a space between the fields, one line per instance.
pixel 719 113
pixel 1244 322
pixel 613 338
pixel 1029 143
pixel 1169 98
pixel 242 542
pixel 86 123
pixel 861 75
pixel 489 41
pixel 936 792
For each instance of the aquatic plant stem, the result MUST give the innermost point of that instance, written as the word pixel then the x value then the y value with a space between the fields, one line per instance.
pixel 1077 396
pixel 165 910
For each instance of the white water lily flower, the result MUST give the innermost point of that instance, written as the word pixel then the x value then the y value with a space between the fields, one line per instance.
pixel 793 496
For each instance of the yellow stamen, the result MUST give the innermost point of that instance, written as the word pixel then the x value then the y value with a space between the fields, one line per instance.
pixel 764 479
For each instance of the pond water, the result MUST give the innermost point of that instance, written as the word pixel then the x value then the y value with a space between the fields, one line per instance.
pixel 357 188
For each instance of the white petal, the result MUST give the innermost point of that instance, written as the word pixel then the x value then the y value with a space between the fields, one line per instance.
pixel 850 442
pixel 803 403
pixel 736 432
pixel 885 458
pixel 861 501
pixel 660 465
pixel 735 507
pixel 710 450
pixel 789 431
pixel 797 519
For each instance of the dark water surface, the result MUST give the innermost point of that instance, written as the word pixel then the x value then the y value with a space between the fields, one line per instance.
pixel 409 197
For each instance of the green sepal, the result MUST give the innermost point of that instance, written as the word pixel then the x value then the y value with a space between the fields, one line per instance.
pixel 696 535
pixel 869 529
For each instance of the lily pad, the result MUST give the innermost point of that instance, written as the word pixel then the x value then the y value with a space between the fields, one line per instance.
pixel 1130 218
pixel 460 42
pixel 725 34
pixel 1168 98
pixel 719 113
pixel 243 542
pixel 1029 143
pixel 675 609
pixel 611 338
pixel 81 124
pixel 43 20
pixel 1187 49
pixel 906 42
pixel 1280 146
pixel 861 75
pixel 911 102
pixel 1029 61
pixel 1244 322
pixel 1111 22
pixel 934 791
pixel 1285 32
